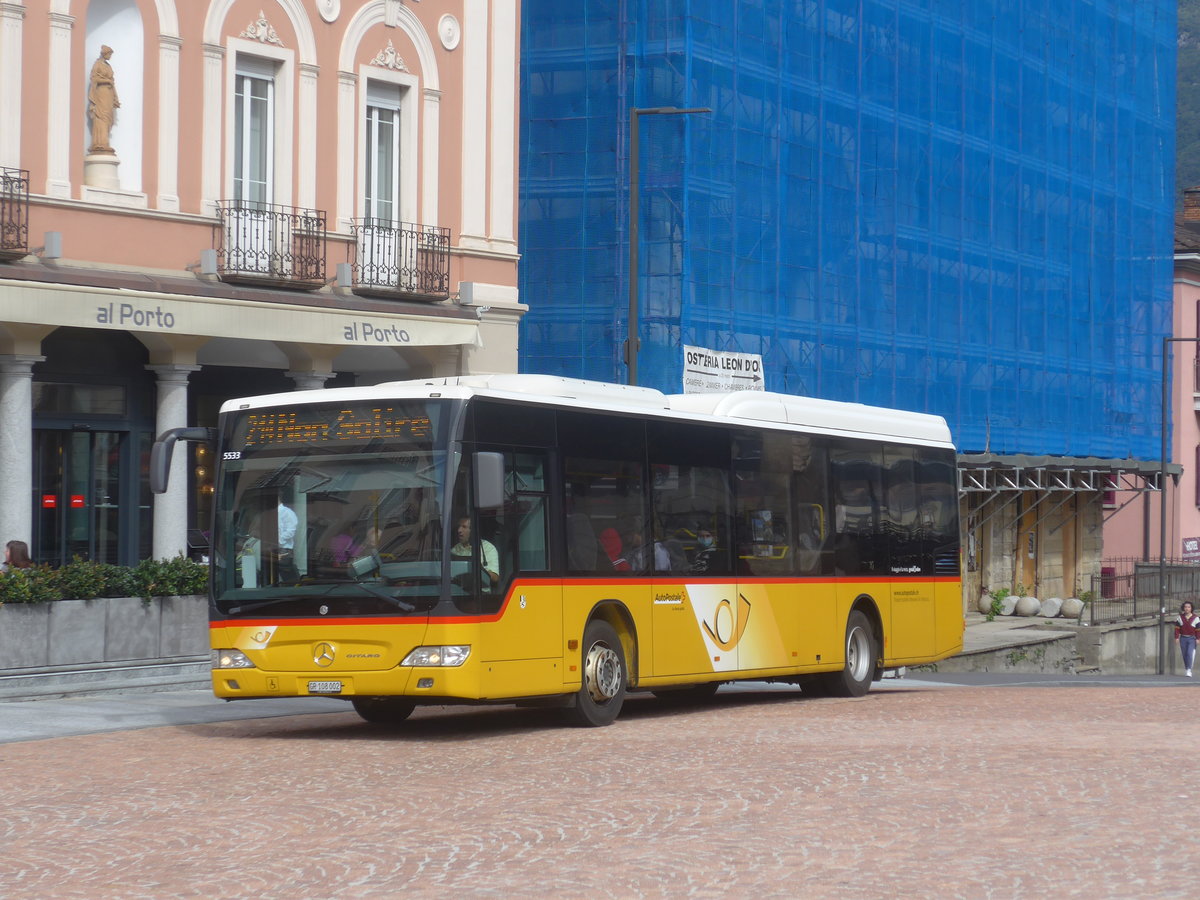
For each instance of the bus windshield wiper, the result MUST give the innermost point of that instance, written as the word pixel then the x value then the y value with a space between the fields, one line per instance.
pixel 291 598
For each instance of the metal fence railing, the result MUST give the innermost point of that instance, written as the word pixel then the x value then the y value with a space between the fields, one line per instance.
pixel 14 212
pixel 401 259
pixel 1129 592
pixel 266 242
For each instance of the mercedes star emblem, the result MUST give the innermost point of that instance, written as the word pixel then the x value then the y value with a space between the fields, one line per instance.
pixel 323 655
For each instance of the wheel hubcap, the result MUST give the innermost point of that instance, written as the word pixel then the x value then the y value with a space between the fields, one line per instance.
pixel 602 673
pixel 858 652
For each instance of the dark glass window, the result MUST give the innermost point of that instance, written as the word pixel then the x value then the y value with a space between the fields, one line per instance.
pixel 690 498
pixel 762 469
pixel 604 486
pixel 856 469
pixel 814 526
pixel 511 424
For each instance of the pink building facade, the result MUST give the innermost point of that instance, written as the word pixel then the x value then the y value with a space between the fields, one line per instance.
pixel 215 198
pixel 1133 526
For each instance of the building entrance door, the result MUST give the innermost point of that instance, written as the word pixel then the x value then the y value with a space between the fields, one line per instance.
pixel 77 491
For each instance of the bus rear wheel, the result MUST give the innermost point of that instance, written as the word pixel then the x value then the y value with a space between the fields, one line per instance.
pixel 383 710
pixel 602 693
pixel 855 678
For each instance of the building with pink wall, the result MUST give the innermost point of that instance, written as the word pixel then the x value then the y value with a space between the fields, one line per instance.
pixel 1133 525
pixel 253 196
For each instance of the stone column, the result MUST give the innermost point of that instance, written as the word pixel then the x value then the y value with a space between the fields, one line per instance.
pixel 16 447
pixel 309 381
pixel 171 508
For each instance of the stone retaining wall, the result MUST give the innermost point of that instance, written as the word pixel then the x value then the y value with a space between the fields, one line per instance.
pixel 86 646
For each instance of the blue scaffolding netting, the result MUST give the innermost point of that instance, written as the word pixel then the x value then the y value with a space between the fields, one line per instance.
pixel 962 207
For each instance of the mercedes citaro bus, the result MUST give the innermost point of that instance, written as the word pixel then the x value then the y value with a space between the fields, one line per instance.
pixel 539 540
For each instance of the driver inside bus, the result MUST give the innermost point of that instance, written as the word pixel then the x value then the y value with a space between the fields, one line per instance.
pixel 484 553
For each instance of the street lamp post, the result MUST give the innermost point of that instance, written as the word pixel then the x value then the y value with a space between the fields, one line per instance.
pixel 632 342
pixel 1162 502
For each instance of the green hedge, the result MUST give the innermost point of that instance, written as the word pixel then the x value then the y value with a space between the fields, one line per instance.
pixel 83 580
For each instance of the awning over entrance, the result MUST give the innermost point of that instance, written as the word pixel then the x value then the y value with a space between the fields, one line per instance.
pixel 134 311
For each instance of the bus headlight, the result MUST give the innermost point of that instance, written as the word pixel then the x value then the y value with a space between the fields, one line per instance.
pixel 454 655
pixel 231 659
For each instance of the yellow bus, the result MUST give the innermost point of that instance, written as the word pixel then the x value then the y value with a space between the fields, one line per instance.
pixel 540 540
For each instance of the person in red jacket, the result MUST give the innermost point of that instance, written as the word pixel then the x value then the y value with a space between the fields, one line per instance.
pixel 1187 626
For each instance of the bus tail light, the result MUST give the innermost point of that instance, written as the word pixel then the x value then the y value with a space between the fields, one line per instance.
pixel 452 655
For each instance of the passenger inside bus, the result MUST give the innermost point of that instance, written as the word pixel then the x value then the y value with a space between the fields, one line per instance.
pixel 704 560
pixel 610 541
pixel 639 551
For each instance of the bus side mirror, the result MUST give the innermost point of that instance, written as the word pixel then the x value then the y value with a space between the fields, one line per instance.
pixel 164 449
pixel 489 480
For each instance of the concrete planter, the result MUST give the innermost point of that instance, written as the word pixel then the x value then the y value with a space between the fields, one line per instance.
pixel 104 630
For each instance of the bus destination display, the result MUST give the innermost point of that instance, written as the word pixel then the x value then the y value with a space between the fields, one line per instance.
pixel 314 426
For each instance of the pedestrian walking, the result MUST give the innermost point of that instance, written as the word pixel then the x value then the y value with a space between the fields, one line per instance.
pixel 1187 625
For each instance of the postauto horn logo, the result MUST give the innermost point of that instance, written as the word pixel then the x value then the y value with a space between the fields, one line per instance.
pixel 726 629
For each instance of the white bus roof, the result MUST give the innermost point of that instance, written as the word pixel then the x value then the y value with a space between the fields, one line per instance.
pixel 751 407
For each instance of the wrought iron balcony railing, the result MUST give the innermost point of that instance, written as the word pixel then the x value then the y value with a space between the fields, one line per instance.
pixel 268 243
pixel 400 259
pixel 14 213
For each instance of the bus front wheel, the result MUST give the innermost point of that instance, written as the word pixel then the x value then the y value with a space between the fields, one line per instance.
pixel 602 693
pixel 854 679
pixel 383 710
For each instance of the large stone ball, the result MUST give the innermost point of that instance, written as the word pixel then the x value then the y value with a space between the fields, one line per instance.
pixel 1028 606
pixel 1071 608
pixel 1051 607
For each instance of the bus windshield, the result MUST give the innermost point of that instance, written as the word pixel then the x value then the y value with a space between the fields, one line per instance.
pixel 331 510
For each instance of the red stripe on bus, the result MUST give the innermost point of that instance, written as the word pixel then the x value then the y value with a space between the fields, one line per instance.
pixel 342 621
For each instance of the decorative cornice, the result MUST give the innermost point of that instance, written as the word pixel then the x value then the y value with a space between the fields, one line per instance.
pixel 262 31
pixel 388 58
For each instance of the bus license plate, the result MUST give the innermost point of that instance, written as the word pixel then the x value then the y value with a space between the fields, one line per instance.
pixel 324 687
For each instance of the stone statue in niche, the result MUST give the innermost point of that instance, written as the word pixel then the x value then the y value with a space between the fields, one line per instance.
pixel 102 102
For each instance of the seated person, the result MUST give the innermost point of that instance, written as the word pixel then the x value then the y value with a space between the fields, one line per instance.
pixel 639 552
pixel 708 558
pixel 484 554
pixel 610 540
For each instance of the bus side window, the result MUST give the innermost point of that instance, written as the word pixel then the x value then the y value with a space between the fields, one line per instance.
pixel 810 487
pixel 856 469
pixel 518 529
pixel 762 466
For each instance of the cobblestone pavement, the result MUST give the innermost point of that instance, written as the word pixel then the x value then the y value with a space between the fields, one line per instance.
pixel 910 792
